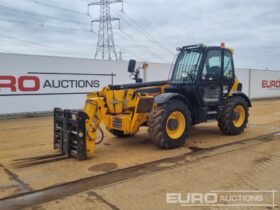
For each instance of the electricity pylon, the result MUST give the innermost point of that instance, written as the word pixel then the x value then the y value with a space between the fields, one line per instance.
pixel 105 48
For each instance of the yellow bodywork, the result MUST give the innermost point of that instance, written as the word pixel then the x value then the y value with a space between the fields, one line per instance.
pixel 122 110
pixel 117 110
pixel 234 87
pixel 177 132
pixel 242 114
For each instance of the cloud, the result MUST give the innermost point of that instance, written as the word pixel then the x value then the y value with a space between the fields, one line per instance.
pixel 150 30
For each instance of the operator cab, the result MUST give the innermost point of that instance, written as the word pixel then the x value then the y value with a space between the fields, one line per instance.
pixel 205 74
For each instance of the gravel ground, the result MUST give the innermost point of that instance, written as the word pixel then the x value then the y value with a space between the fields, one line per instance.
pixel 27 137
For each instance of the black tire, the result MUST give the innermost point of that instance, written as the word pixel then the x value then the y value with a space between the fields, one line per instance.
pixel 226 118
pixel 119 134
pixel 158 120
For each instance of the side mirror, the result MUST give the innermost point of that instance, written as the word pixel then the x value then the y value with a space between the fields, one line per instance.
pixel 131 66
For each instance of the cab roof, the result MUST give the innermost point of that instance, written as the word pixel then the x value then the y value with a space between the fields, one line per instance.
pixel 202 46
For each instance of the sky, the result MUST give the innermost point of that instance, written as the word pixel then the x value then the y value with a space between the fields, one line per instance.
pixel 150 30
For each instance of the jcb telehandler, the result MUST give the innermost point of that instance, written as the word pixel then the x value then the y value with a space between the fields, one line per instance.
pixel 203 87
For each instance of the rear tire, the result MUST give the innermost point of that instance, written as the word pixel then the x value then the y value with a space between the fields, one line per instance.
pixel 230 124
pixel 169 124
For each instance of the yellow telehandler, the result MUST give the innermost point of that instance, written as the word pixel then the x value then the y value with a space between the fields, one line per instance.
pixel 203 87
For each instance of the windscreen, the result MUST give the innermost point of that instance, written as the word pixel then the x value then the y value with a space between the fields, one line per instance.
pixel 186 67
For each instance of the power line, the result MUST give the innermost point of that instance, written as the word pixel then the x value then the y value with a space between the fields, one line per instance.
pixel 147 22
pixel 56 7
pixel 133 42
pixel 29 43
pixel 43 25
pixel 57 28
pixel 38 45
pixel 142 47
pixel 41 15
pixel 129 52
pixel 145 49
pixel 144 33
pixel 32 44
pixel 167 41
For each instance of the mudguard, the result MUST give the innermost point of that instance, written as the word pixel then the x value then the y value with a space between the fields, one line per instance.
pixel 243 95
pixel 165 97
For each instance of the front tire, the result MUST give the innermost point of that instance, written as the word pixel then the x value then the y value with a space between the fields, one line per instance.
pixel 169 124
pixel 234 118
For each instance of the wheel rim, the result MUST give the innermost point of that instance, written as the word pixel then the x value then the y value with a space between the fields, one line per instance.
pixel 175 125
pixel 241 112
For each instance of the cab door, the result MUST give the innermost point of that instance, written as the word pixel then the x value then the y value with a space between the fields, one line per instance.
pixel 228 73
pixel 211 78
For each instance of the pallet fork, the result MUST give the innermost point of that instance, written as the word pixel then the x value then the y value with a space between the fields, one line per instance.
pixel 70 133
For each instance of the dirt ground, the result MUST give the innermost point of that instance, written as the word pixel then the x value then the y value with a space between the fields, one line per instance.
pixel 27 137
pixel 253 168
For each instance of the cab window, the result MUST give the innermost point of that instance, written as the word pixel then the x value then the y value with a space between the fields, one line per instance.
pixel 228 66
pixel 213 66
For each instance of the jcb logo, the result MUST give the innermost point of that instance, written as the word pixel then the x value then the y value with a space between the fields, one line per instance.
pixel 22 83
